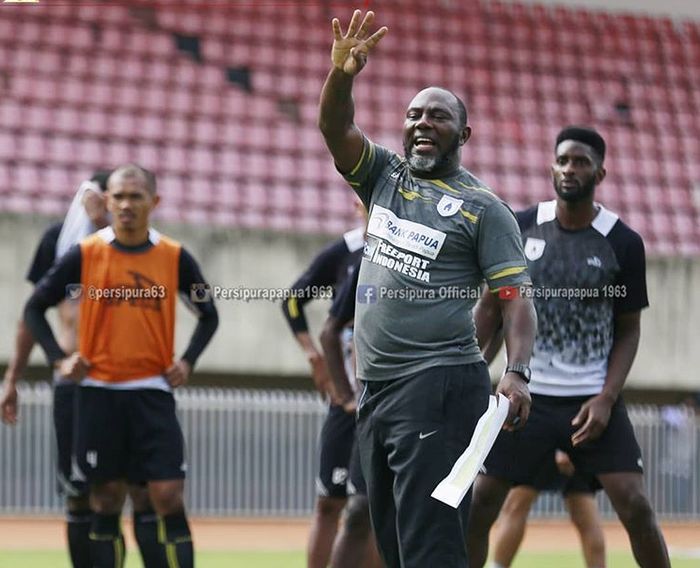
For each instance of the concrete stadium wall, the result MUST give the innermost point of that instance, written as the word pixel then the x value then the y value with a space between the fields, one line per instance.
pixel 253 338
pixel 674 8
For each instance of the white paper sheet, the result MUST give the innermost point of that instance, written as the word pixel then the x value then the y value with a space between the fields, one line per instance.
pixel 455 486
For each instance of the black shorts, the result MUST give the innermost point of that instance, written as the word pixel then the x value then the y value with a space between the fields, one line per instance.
pixel 549 478
pixel 517 456
pixel 129 434
pixel 335 449
pixel 411 431
pixel 65 414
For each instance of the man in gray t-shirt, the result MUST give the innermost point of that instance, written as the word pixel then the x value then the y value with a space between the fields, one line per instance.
pixel 435 233
pixel 430 244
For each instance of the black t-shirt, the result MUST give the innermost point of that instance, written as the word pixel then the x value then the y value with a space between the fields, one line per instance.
pixel 581 281
pixel 45 254
pixel 331 267
pixel 343 308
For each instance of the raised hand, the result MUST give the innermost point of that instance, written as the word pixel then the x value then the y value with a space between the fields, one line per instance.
pixel 350 51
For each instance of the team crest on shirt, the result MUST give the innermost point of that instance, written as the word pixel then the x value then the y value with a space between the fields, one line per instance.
pixel 534 248
pixel 448 206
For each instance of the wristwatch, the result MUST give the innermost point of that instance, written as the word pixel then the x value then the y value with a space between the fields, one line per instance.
pixel 520 369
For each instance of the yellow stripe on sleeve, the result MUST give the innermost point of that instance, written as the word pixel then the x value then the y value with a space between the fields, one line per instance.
pixel 507 272
pixel 293 307
pixel 362 157
pixel 466 214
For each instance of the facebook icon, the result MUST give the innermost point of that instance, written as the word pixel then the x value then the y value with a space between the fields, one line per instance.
pixel 366 294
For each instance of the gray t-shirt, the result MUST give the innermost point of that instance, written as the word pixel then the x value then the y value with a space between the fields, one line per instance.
pixel 430 245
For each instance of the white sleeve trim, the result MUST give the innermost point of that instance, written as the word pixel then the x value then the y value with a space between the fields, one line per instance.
pixel 355 239
pixel 546 211
pixel 604 221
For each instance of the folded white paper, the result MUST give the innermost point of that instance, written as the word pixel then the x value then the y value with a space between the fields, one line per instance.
pixel 455 486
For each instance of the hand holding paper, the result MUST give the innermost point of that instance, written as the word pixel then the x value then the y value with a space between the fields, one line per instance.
pixel 455 486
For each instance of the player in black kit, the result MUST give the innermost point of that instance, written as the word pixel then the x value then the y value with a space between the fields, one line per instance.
pixel 330 268
pixel 589 287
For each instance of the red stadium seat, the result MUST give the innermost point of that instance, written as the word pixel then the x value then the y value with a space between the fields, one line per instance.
pixel 125 92
pixel 8 146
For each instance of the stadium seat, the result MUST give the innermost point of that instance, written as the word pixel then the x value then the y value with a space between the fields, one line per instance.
pixel 125 92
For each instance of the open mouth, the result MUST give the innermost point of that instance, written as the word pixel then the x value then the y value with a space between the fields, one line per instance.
pixel 424 145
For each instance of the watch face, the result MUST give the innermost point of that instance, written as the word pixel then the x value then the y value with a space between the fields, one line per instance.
pixel 522 370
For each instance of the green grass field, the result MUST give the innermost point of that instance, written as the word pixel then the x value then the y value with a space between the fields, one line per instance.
pixel 295 559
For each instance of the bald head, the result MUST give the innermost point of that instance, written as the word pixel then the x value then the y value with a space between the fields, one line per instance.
pixel 458 104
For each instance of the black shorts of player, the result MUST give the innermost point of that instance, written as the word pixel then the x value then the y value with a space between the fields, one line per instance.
pixel 549 478
pixel 517 456
pixel 129 434
pixel 65 416
pixel 411 431
pixel 335 448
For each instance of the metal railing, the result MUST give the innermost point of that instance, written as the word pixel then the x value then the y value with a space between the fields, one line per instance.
pixel 254 453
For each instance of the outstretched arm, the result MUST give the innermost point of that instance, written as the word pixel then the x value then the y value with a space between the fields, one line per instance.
pixel 337 110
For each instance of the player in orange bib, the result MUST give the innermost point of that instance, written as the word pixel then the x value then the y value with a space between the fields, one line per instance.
pixel 127 277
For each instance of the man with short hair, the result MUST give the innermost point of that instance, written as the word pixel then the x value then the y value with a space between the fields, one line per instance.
pixel 86 214
pixel 127 276
pixel 434 233
pixel 589 285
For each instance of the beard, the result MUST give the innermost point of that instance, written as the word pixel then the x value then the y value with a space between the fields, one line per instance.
pixel 422 163
pixel 428 164
pixel 582 193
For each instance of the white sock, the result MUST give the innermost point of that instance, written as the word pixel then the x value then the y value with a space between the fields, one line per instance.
pixel 497 565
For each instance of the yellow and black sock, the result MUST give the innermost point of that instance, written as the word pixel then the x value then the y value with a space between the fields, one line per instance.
pixel 146 533
pixel 174 535
pixel 106 542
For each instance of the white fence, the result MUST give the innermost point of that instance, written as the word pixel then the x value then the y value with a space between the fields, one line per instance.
pixel 253 453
